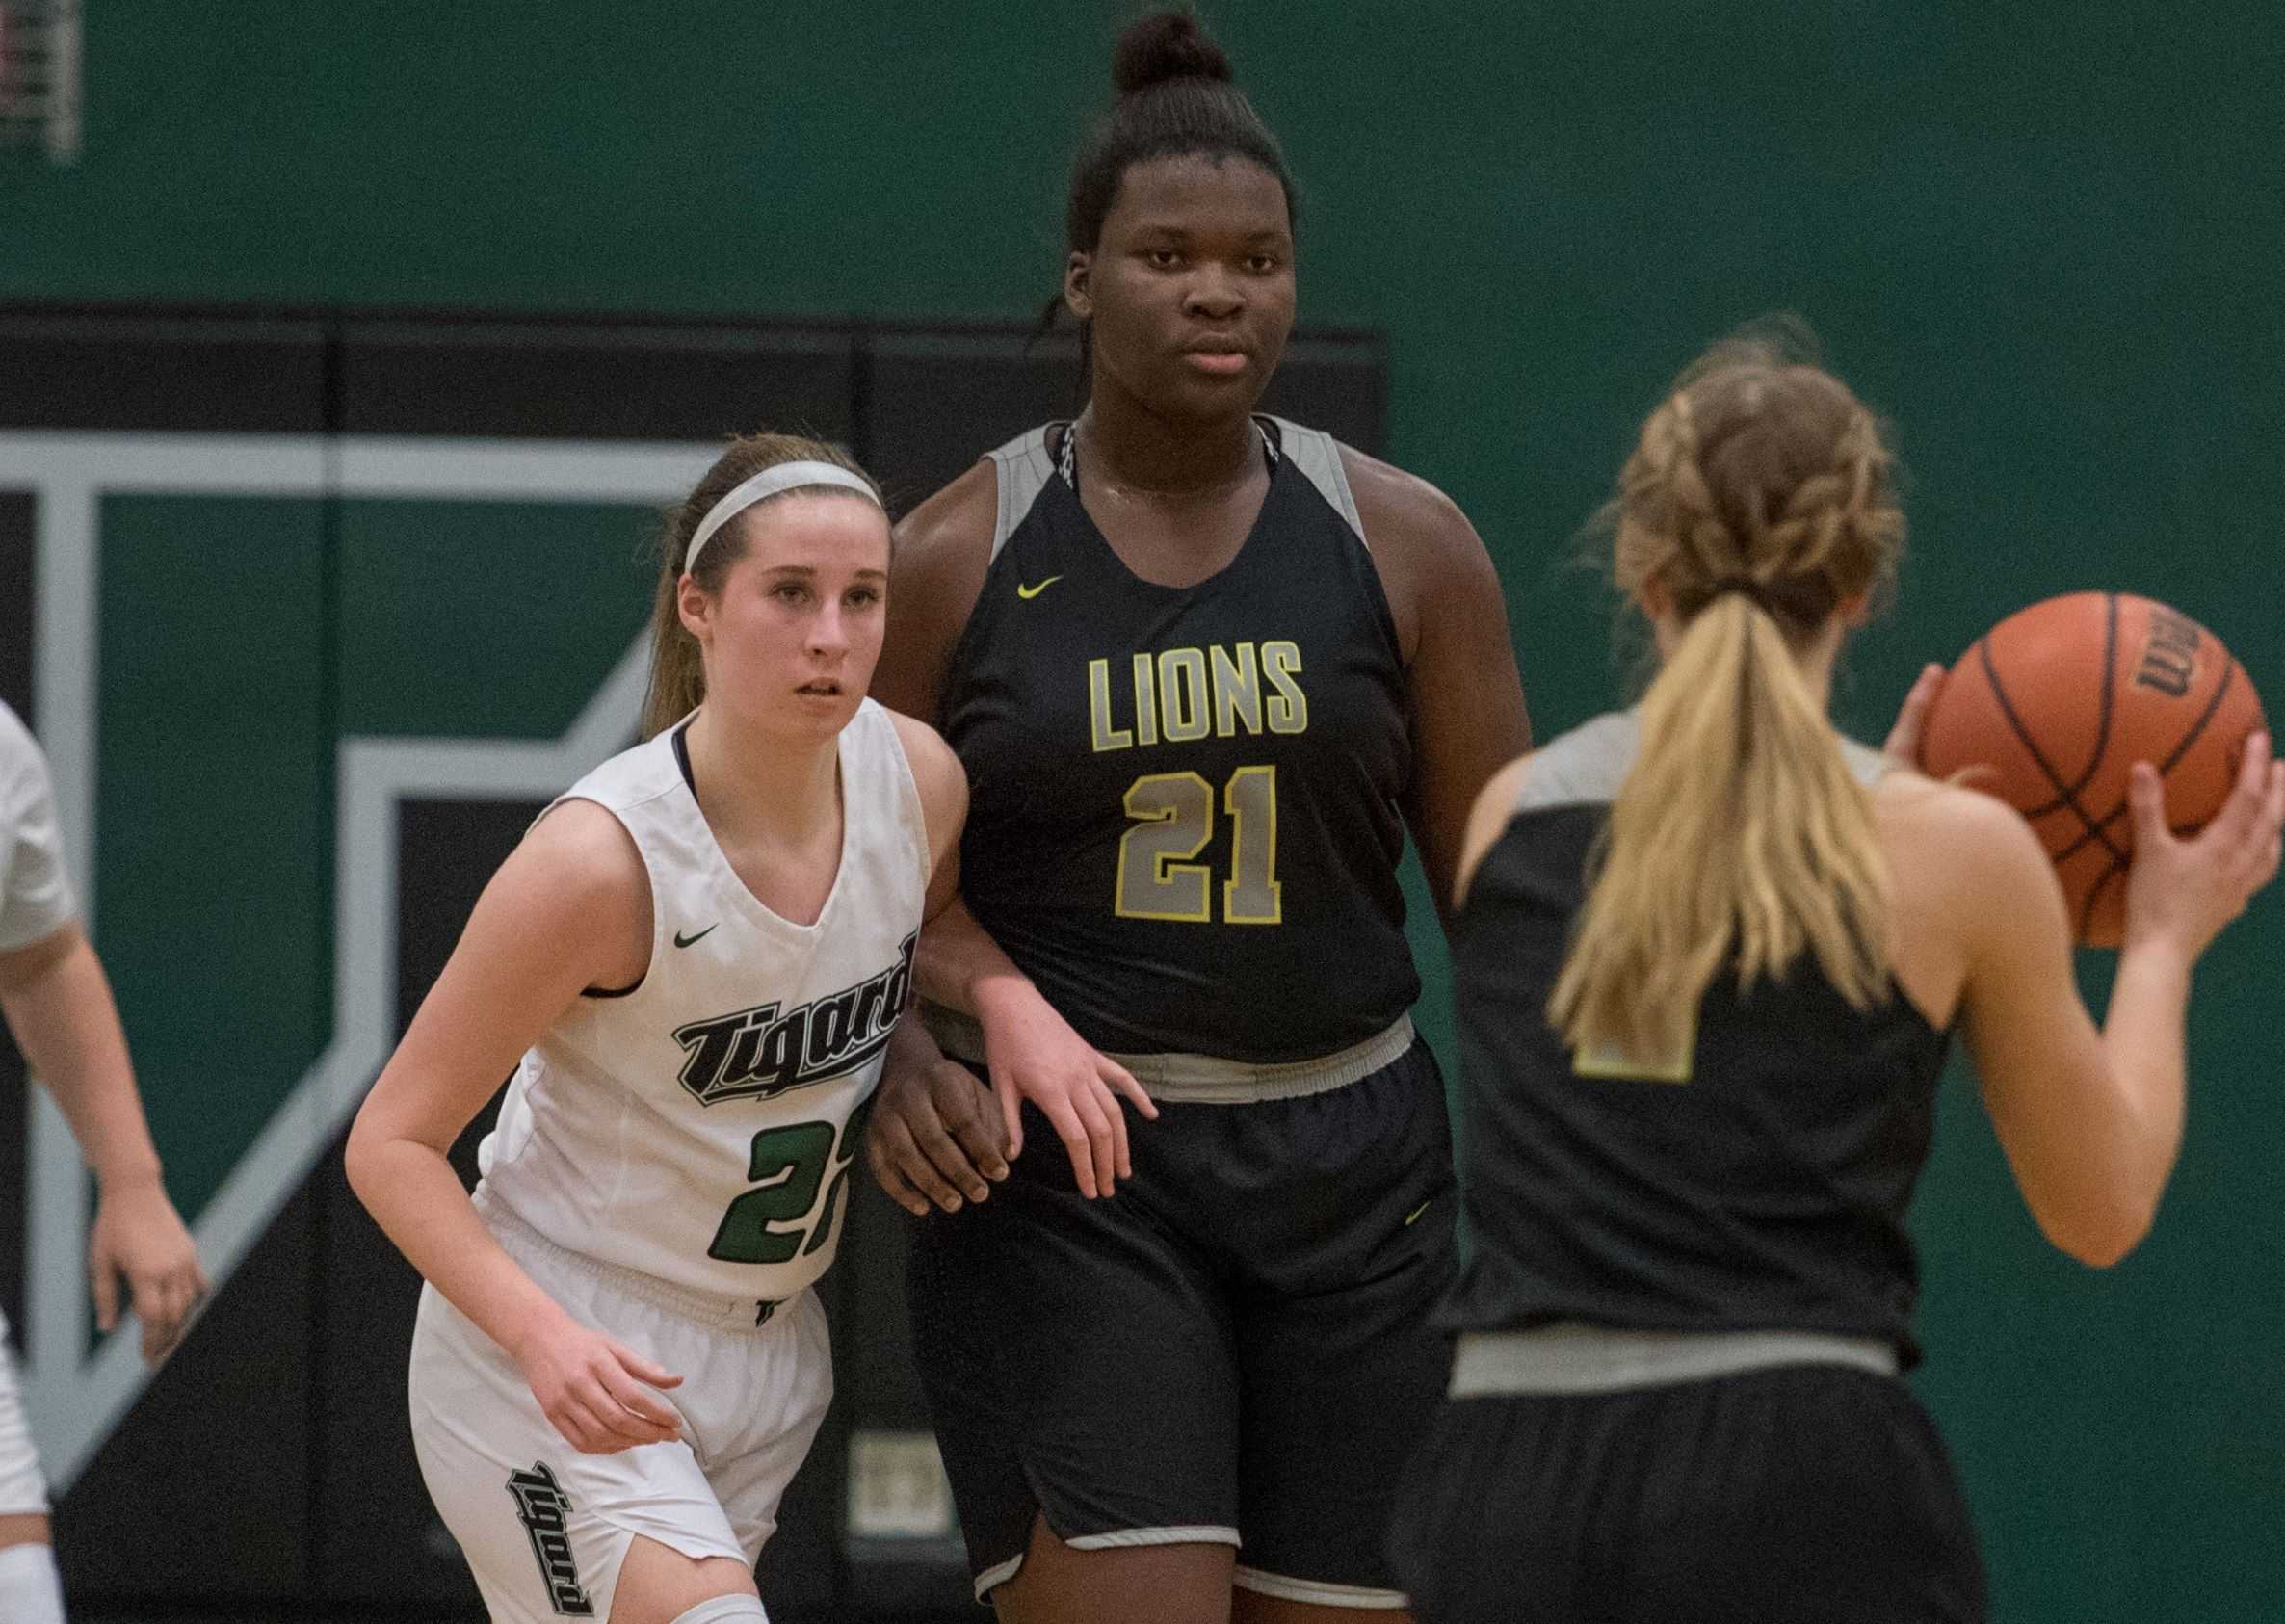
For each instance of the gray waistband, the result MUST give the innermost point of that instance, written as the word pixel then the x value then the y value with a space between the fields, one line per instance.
pixel 1204 1080
pixel 1573 1358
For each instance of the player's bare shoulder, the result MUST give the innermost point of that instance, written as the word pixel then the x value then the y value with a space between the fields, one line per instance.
pixel 940 553
pixel 581 847
pixel 584 859
pixel 1959 846
pixel 939 778
pixel 1404 506
pixel 1422 543
pixel 964 510
pixel 577 881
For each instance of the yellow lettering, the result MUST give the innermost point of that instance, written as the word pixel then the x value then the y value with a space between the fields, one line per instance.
pixel 1145 700
pixel 1098 709
pixel 1288 710
pixel 1237 691
pixel 1182 701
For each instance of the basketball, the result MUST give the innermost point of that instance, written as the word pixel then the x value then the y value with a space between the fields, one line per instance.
pixel 2051 709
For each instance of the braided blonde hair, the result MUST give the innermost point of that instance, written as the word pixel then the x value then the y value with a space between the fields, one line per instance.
pixel 1761 497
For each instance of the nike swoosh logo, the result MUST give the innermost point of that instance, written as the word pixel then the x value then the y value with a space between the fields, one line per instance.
pixel 681 940
pixel 1027 593
pixel 1413 1216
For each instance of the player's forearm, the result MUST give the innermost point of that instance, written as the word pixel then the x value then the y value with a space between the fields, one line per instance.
pixel 2144 1036
pixel 416 1197
pixel 2093 1155
pixel 68 1029
pixel 958 963
pixel 911 1049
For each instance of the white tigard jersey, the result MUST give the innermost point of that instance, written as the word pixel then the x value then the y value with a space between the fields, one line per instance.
pixel 701 1128
pixel 34 896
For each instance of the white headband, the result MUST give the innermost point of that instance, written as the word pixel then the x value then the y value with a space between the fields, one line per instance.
pixel 770 481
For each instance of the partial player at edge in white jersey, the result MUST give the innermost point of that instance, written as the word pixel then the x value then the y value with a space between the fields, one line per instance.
pixel 692 964
pixel 56 1002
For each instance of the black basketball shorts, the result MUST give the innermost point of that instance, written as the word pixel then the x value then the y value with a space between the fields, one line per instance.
pixel 1234 1347
pixel 1800 1494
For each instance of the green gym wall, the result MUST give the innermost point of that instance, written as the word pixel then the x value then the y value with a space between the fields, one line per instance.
pixel 2043 238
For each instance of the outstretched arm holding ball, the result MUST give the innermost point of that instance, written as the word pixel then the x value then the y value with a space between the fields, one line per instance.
pixel 2145 805
pixel 2091 1120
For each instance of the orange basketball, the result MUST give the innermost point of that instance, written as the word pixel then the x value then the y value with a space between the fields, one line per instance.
pixel 2055 705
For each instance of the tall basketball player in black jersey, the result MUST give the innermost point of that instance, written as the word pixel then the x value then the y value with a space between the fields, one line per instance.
pixel 1708 958
pixel 1205 668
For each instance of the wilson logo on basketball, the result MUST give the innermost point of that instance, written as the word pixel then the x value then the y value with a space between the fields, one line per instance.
pixel 2170 654
pixel 761 1052
pixel 2051 709
pixel 545 1510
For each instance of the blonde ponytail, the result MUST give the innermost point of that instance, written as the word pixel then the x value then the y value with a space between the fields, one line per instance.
pixel 1740 838
pixel 1760 500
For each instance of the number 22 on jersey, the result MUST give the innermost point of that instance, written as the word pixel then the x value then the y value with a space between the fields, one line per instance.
pixel 772 1223
pixel 1158 877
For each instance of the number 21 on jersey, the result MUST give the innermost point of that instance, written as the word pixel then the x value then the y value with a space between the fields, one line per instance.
pixel 1173 813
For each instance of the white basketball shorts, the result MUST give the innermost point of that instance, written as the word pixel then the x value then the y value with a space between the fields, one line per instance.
pixel 23 1491
pixel 543 1527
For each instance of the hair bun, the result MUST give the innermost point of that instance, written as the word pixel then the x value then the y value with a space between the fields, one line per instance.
pixel 1168 45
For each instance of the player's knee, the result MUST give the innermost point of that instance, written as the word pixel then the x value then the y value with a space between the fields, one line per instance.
pixel 726 1610
pixel 660 1585
pixel 1183 1581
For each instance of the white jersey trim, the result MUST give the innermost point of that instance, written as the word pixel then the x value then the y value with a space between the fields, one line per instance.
pixel 35 899
pixel 1318 455
pixel 1023 468
pixel 1198 1534
pixel 1317 1592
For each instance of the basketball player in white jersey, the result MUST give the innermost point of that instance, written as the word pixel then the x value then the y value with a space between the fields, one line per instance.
pixel 698 952
pixel 58 1003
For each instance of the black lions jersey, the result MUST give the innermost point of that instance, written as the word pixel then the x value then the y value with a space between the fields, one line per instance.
pixel 1761 1187
pixel 1184 822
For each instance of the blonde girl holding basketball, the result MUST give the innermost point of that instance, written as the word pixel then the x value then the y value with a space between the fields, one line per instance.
pixel 1708 962
pixel 692 964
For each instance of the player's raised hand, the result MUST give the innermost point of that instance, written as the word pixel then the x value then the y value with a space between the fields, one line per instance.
pixel 1034 1054
pixel 935 1134
pixel 1912 720
pixel 2187 889
pixel 140 1238
pixel 592 1389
